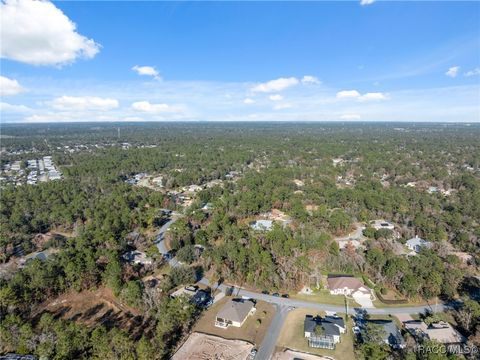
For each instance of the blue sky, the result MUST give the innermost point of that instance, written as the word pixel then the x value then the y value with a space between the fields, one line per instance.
pixel 386 61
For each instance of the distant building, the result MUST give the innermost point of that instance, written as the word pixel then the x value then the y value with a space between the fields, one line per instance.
pixel 262 225
pixel 416 244
pixel 137 257
pixel 17 357
pixel 347 285
pixel 330 329
pixel 382 224
pixel 234 313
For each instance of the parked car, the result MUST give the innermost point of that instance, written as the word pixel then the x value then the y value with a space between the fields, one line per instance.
pixel 276 294
pixel 253 353
pixel 265 292
pixel 285 296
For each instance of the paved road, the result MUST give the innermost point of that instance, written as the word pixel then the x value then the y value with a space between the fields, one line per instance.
pixel 267 347
pixel 160 241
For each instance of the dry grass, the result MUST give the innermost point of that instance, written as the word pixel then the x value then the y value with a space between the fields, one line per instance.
pixel 96 307
pixel 292 337
pixel 250 331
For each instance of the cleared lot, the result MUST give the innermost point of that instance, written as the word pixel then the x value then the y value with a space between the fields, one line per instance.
pixel 292 337
pixel 205 347
pixel 295 355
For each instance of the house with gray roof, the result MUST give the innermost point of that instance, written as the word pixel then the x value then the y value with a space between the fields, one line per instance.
pixel 323 332
pixel 391 333
pixel 234 313
pixel 262 225
pixel 416 244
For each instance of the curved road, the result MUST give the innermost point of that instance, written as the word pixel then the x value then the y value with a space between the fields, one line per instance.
pixel 284 305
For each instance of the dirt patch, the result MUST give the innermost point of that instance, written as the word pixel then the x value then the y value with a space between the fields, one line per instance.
pixel 252 330
pixel 293 355
pixel 98 307
pixel 206 347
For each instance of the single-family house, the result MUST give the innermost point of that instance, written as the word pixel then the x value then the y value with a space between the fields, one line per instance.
pixel 262 225
pixel 234 313
pixel 347 285
pixel 441 332
pixel 137 257
pixel 416 244
pixel 323 332
pixel 391 334
pixel 382 224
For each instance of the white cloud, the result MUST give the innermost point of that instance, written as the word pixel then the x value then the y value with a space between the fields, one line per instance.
pixel 310 80
pixel 366 2
pixel 375 96
pixel 38 33
pixel 84 103
pixel 348 94
pixel 6 107
pixel 249 101
pixel 473 72
pixel 9 86
pixel 350 117
pixel 276 85
pixel 147 107
pixel 276 97
pixel 354 94
pixel 453 71
pixel 282 106
pixel 147 71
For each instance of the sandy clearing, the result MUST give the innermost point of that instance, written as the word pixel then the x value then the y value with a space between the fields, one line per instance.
pixel 297 355
pixel 207 347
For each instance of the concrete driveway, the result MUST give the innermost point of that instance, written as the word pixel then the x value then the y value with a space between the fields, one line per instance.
pixel 364 301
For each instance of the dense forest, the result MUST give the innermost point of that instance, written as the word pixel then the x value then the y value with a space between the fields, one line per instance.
pixel 325 178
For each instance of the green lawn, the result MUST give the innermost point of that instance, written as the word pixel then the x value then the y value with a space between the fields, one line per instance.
pixel 324 297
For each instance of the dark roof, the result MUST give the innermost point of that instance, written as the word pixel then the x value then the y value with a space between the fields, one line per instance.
pixel 335 320
pixel 392 332
pixel 328 327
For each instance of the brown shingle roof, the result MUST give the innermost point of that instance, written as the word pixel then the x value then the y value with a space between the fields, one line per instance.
pixel 341 282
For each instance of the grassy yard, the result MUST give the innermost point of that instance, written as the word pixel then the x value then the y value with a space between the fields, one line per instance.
pixel 377 303
pixel 292 337
pixel 252 331
pixel 324 297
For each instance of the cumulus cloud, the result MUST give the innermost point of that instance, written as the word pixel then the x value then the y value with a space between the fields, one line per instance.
pixel 276 85
pixel 276 97
pixel 282 106
pixel 453 71
pixel 310 80
pixel 473 72
pixel 249 101
pixel 350 117
pixel 148 107
pixel 9 86
pixel 12 108
pixel 348 94
pixel 147 71
pixel 366 2
pixel 354 94
pixel 38 33
pixel 374 96
pixel 84 103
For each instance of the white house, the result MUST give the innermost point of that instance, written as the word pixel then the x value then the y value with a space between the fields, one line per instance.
pixel 416 244
pixel 382 224
pixel 347 285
